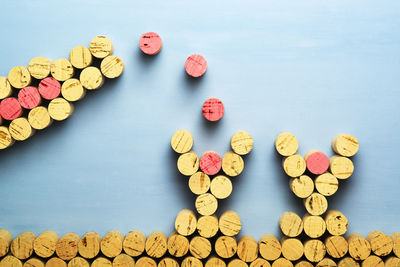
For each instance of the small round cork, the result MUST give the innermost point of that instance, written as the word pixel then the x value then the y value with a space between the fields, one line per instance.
pixel 230 223
pixel 5 88
pixel 45 244
pixel 242 142
pixel 260 262
pixel 317 162
pixel 101 47
pixel 232 164
pixel 123 260
pixel 303 264
pixel 345 145
pixel 359 247
pixel 316 204
pixel 134 243
pixel 348 262
pixel 196 65
pixel 185 222
pixel 91 78
pixel 336 246
pixel 61 69
pixel 215 262
pixel 207 226
pixel 282 262
pixel 49 88
pixel 292 248
pixel 29 97
pixel 150 43
pixel 55 262
pixel 326 184
pixel 19 77
pixel 10 261
pixel 178 245
pixel 22 246
pixel 156 245
pixel 247 249
pixel 188 163
pixel 72 90
pixel 206 204
pixel 381 244
pixel 60 109
pixel 182 141
pixel 5 242
pixel 237 263
pixel 5 138
pixel 111 244
pixel 221 187
pixel 326 263
pixel 145 262
pixel 270 248
pixel 341 167
pixel 191 262
pixel 302 186
pixel 392 262
pixel 314 250
pixel 80 57
pixel 167 262
pixel 79 262
pixel 39 118
pixel 294 165
pixel 101 262
pixel 336 222
pixel 210 163
pixel 39 67
pixel 291 224
pixel 314 226
pixel 396 243
pixel 112 67
pixel 225 246
pixel 10 108
pixel 34 262
pixel 286 144
pixel 200 247
pixel 213 109
pixel 67 246
pixel 199 183
pixel 373 261
pixel 89 245
pixel 20 129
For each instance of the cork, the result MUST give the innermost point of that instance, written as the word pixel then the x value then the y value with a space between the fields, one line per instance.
pixel 101 262
pixel 5 88
pixel 345 145
pixel 210 163
pixel 314 250
pixel 282 262
pixel 207 226
pixel 178 245
pixel 10 108
pixel 247 248
pixel 303 264
pixel 61 69
pixel 34 262
pixel 359 247
pixel 150 43
pixel 156 245
pixel 381 244
pixel 10 261
pixel 123 260
pixel 60 109
pixel 225 246
pixel 39 118
pixel 134 243
pixel 20 129
pixel 79 262
pixel 302 186
pixel 373 261
pixel 72 90
pixel 19 77
pixel 242 142
pixel 111 244
pixel 182 141
pixel 5 241
pixel 206 204
pixel 145 262
pixel 396 243
pixel 232 164
pixel 80 57
pixel 91 78
pixel 167 262
pixel 67 246
pixel 291 224
pixel 326 263
pixel 39 67
pixel 112 67
pixel 185 222
pixel 55 262
pixel 215 262
pixel 196 65
pixel 260 262
pixel 286 144
pixel 269 246
pixel 221 187
pixel 101 47
pixel 191 262
pixel 292 248
pixel 49 88
pixel 213 109
pixel 314 226
pixel 348 262
pixel 317 162
pixel 326 184
pixel 5 138
pixel 237 263
pixel 22 246
pixel 29 97
pixel 294 165
pixel 188 163
pixel 230 223
pixel 336 246
pixel 200 247
pixel 316 204
pixel 199 183
pixel 336 222
pixel 392 262
pixel 45 244
pixel 89 245
pixel 341 167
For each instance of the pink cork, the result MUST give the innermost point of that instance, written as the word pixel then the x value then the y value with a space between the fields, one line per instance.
pixel 150 43
pixel 210 163
pixel 317 163
pixel 10 108
pixel 196 65
pixel 213 109
pixel 29 97
pixel 49 88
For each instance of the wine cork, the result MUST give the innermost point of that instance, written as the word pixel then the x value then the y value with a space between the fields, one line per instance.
pixel 5 138
pixel 89 245
pixel 242 142
pixel 80 57
pixel 314 226
pixel 341 167
pixel 215 262
pixel 182 141
pixel 61 69
pixel 294 165
pixel 225 246
pixel 101 262
pixel 282 262
pixel 373 261
pixel 145 262
pixel 123 260
pixel 359 247
pixel 79 262
pixel 247 248
pixel 29 97
pixel 230 223
pixel 303 264
pixel 185 222
pixel 291 224
pixel 237 263
pixel 221 187
pixel 206 204
pixel 134 243
pixel 156 245
pixel 19 77
pixel 260 262
pixel 5 88
pixel 101 47
pixel 22 246
pixel 336 246
pixel 39 118
pixel 10 261
pixel 39 67
pixel 270 248
pixel 72 90
pixel 292 248
pixel 20 129
pixel 45 244
pixel 10 108
pixel 381 244
pixel 60 109
pixel 178 245
pixel 207 226
pixel 199 183
pixel 326 184
pixel 191 262
pixel 67 246
pixel 49 88
pixel 91 78
pixel 150 43
pixel 112 67
pixel 210 163
pixel 188 163
pixel 196 65
pixel 316 204
pixel 5 241
pixel 168 262
pixel 326 263
pixel 396 243
pixel 111 244
pixel 302 186
pixel 286 144
pixel 314 250
pixel 213 109
pixel 336 222
pixel 392 262
pixel 33 262
pixel 348 262
pixel 317 162
pixel 345 145
pixel 55 262
pixel 232 164
pixel 200 247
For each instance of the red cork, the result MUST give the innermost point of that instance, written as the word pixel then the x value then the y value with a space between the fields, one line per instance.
pixel 317 163
pixel 196 65
pixel 29 97
pixel 10 108
pixel 213 109
pixel 150 43
pixel 210 163
pixel 49 88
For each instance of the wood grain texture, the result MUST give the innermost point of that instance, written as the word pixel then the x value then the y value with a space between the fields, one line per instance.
pixel 39 67
pixel 292 248
pixel 247 249
pixel 188 163
pixel 156 244
pixel 80 57
pixel 112 67
pixel 294 166
pixel 316 204
pixel 45 244
pixel 146 262
pixel 111 244
pixel 39 118
pixel 19 77
pixel 67 246
pixel 60 109
pixel 91 78
pixel 5 88
pixel 5 242
pixel 10 261
pixel 101 47
pixel 232 164
pixel 302 186
pixel 314 250
pixel 22 246
pixel 89 245
pixel 182 141
pixel 381 243
pixel 269 247
pixel 199 183
pixel 207 226
pixel 80 262
pixel 185 222
pixel 226 246
pixel 345 145
pixel 72 90
pixel 286 144
pixel 336 222
pixel 230 223
pixel 221 187
pixel 178 245
pixel 191 262
pixel 200 247
pixel 168 262
pixel 206 204
pixel 123 260
pixel 61 69
pixel 336 246
pixel 359 247
pixel 290 224
pixel 242 143
pixel 134 243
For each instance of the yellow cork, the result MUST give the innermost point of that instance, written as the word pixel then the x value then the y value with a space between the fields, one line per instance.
pixel 134 243
pixel 260 262
pixel 185 222
pixel 381 244
pixel 232 164
pixel 237 263
pixel 292 248
pixel 207 226
pixel 336 246
pixel 33 262
pixel 60 109
pixel 225 246
pixel 101 47
pixel 314 226
pixel 286 144
pixel 67 246
pixel 5 88
pixel 39 67
pixel 182 141
pixel 326 184
pixel 5 242
pixel 191 262
pixel 291 224
pixel 10 261
pixel 341 167
pixel 45 244
pixel 156 245
pixel 373 261
pixel 269 246
pixel 221 187
pixel 80 57
pixel 359 247
pixel 188 163
pixel 39 118
pixel 178 245
pixel 314 250
pixel 316 204
pixel 89 245
pixel 242 142
pixel 230 223
pixel 345 145
pixel 72 90
pixel 396 243
pixel 123 260
pixel 247 249
pixel 20 129
pixel 61 69
pixel 199 183
pixel 294 165
pixel 200 247
pixel 302 186
pixel 167 262
pixel 91 78
pixel 206 204
pixel 5 137
pixel 145 262
pixel 112 67
pixel 81 262
pixel 111 244
pixel 19 77
pixel 336 222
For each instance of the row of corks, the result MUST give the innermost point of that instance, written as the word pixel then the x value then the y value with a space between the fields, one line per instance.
pixel 34 96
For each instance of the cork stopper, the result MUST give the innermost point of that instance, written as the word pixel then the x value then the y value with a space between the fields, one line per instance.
pixel 230 223
pixel 49 88
pixel 303 264
pixel 33 262
pixel 242 142
pixel 359 247
pixel 213 109
pixel 123 260
pixel 302 186
pixel 207 226
pixel 215 262
pixel 392 262
pixel 270 248
pixel 317 162
pixel 210 163
pixel 156 245
pixel 341 167
pixel 60 109
pixel 10 108
pixel 396 243
pixel 178 245
pixel 336 246
pixel 72 90
pixel 101 47
pixel 19 77
pixel 199 183
pixel 185 222
pixel 292 248
pixel 45 244
pixel 196 65
pixel 182 141
pixel 314 250
pixel 61 69
pixel 191 262
pixel 326 263
pixel 146 262
pixel 101 262
pixel 336 222
pixel 112 67
pixel 200 247
pixel 316 204
pixel 134 243
pixel 381 244
pixel 22 246
pixel 247 249
pixel 237 263
pixel 80 262
pixel 260 262
pixel 39 67
pixel 80 57
pixel 5 241
pixel 286 144
pixel 294 165
pixel 67 246
pixel 39 118
pixel 348 262
pixel 221 187
pixel 150 43
pixel 10 261
pixel 291 224
pixel 314 226
pixel 326 184
pixel 373 261
pixel 345 145
pixel 5 138
pixel 168 262
pixel 225 246
pixel 111 244
pixel 5 88
pixel 29 97
pixel 91 78
pixel 188 163
pixel 55 262
pixel 20 129
pixel 89 245
pixel 206 204
pixel 282 262
pixel 232 164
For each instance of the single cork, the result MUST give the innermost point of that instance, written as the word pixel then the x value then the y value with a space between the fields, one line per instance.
pixel 270 248
pixel 67 246
pixel 314 226
pixel 242 142
pixel 206 204
pixel 134 243
pixel 10 108
pixel 196 65
pixel 22 246
pixel 326 263
pixel 182 141
pixel 373 261
pixel 247 248
pixel 225 246
pixel 260 262
pixel 200 247
pixel 215 262
pixel 188 163
pixel 348 262
pixel 145 262
pixel 89 245
pixel 45 244
pixel 392 262
pixel 156 245
pixel 314 250
pixel 61 69
pixel 72 90
pixel 336 246
pixel 112 67
pixel 34 262
pixel 396 243
pixel 326 184
pixel 345 145
pixel 19 77
pixel 341 167
pixel 286 144
pixel 292 248
pixel 60 109
pixel 207 226
pixel 199 183
pixel 359 247
pixel 302 186
pixel 49 88
pixel 5 138
pixel 191 262
pixel 316 204
pixel 5 241
pixel 5 88
pixel 101 47
pixel 381 244
pixel 210 163
pixel 79 262
pixel 29 97
pixel 20 129
pixel 150 43
pixel 230 223
pixel 80 57
pixel 10 261
pixel 336 222
pixel 237 263
pixel 111 244
pixel 55 262
pixel 303 264
pixel 123 260
pixel 101 262
pixel 221 187
pixel 291 224
pixel 317 162
pixel 91 78
pixel 39 118
pixel 282 262
pixel 185 222
pixel 178 245
pixel 167 262
pixel 39 67
pixel 294 165
pixel 232 164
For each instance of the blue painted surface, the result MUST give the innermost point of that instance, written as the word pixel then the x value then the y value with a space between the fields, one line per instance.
pixel 315 68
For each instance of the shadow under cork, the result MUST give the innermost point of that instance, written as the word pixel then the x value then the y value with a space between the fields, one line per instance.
pixel 210 126
pixel 192 82
pixel 144 59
